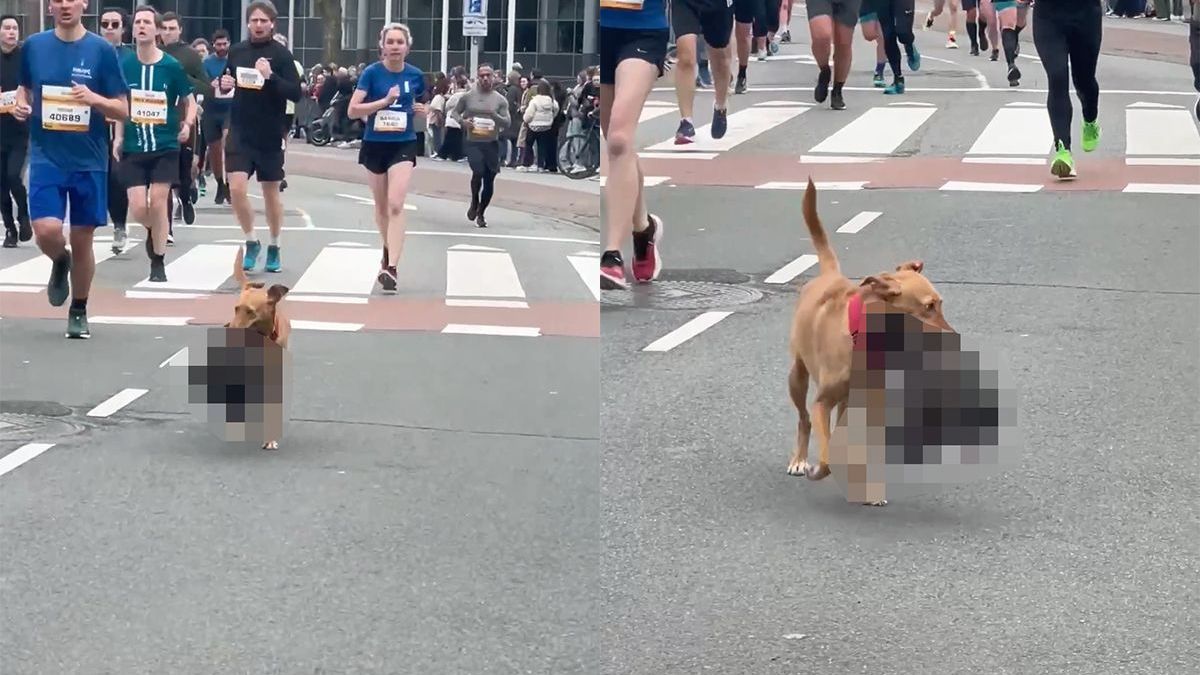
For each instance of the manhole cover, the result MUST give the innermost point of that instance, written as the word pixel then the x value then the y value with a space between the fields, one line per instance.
pixel 682 295
pixel 16 428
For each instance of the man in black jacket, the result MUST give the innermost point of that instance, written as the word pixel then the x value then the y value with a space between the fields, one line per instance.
pixel 172 43
pixel 262 74
pixel 14 137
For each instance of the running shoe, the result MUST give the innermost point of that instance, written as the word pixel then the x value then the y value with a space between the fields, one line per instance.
pixel 897 87
pixel 836 102
pixel 387 278
pixel 879 81
pixel 158 271
pixel 120 236
pixel 720 123
pixel 1014 75
pixel 647 261
pixel 740 87
pixel 272 258
pixel 914 59
pixel 1091 135
pixel 612 271
pixel 1063 165
pixel 251 258
pixel 77 325
pixel 951 42
pixel 685 133
pixel 822 89
pixel 59 285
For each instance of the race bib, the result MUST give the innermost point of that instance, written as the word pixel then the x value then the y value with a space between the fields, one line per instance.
pixel 217 93
pixel 147 107
pixel 628 5
pixel 8 102
pixel 391 121
pixel 62 113
pixel 482 127
pixel 250 78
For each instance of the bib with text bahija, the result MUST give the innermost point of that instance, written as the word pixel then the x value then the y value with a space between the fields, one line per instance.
pixel 250 78
pixel 389 121
pixel 61 112
pixel 147 107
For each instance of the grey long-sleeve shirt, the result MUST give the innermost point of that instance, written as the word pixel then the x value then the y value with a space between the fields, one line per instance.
pixel 489 112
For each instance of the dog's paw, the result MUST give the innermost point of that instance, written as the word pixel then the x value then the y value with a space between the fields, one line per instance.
pixel 881 502
pixel 817 472
pixel 271 445
pixel 798 468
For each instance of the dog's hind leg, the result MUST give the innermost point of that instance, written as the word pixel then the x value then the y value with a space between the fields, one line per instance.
pixel 821 414
pixel 798 388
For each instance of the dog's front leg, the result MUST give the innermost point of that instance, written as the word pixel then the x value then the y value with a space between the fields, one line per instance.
pixel 821 418
pixel 798 388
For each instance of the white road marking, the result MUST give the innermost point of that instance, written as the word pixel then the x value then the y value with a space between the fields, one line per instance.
pixel 828 185
pixel 151 295
pixel 836 159
pixel 1163 188
pixel 371 202
pixel 858 222
pixel 352 244
pixel 1033 161
pixel 141 320
pixel 694 156
pixel 1161 132
pixel 301 324
pixel 878 131
pixel 983 83
pixel 686 332
pixel 332 299
pixel 179 358
pixel 1147 104
pixel 743 125
pixel 36 271
pixel 650 112
pixel 649 181
pixel 1015 131
pixel 341 271
pixel 116 402
pixel 495 304
pixel 792 270
pixel 411 233
pixel 1162 161
pixel 481 272
pixel 22 289
pixel 479 329
pixel 586 266
pixel 968 186
pixel 204 267
pixel 21 455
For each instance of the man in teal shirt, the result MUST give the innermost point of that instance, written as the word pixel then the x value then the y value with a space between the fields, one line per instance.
pixel 162 114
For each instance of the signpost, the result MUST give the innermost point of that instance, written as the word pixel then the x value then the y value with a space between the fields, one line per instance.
pixel 475 27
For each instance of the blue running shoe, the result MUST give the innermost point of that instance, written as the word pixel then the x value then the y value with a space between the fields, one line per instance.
pixel 897 87
pixel 272 258
pixel 251 259
pixel 914 59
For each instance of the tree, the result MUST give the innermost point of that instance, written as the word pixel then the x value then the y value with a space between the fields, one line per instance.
pixel 330 12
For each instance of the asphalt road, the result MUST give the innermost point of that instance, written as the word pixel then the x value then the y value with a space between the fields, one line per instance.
pixel 433 507
pixel 1080 559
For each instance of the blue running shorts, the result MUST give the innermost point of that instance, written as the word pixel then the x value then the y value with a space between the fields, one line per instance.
pixel 50 188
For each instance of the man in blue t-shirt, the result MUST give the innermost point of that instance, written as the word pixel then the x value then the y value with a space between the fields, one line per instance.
pixel 70 82
pixel 214 124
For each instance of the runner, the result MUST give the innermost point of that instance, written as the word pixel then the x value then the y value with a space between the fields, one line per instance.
pixel 484 115
pixel 263 73
pixel 386 98
pixel 289 114
pixel 896 21
pixel 184 187
pixel 162 114
pixel 871 32
pixel 714 20
pixel 633 50
pixel 215 120
pixel 70 81
pixel 14 138
pixel 1069 33
pixel 112 28
pixel 831 26
pixel 938 7
pixel 1006 17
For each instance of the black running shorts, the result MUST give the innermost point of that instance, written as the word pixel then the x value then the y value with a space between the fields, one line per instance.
pixel 266 163
pixel 143 169
pixel 484 156
pixel 619 44
pixel 711 18
pixel 379 156
pixel 844 12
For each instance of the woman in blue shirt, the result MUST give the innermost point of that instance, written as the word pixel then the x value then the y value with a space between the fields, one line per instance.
pixel 389 93
pixel 633 48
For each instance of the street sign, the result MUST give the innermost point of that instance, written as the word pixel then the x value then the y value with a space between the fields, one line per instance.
pixel 475 18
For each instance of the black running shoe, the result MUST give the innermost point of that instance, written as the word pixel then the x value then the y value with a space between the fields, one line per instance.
pixel 822 90
pixel 720 123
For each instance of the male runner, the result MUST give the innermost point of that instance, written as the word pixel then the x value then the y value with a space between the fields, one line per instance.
pixel 633 50
pixel 262 74
pixel 896 21
pixel 70 81
pixel 112 29
pixel 755 19
pixel 831 26
pixel 172 32
pixel 162 116
pixel 483 114
pixel 14 138
pixel 1067 32
pixel 216 112
pixel 714 20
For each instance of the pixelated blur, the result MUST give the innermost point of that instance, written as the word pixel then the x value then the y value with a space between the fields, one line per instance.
pixel 927 408
pixel 242 386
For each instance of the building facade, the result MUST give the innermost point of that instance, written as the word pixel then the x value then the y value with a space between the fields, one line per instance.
pixel 559 37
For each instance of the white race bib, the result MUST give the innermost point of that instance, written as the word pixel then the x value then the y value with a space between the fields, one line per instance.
pixel 8 102
pixel 629 5
pixel 482 127
pixel 147 107
pixel 62 113
pixel 250 78
pixel 391 121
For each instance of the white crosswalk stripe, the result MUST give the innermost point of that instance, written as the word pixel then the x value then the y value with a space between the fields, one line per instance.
pixel 339 272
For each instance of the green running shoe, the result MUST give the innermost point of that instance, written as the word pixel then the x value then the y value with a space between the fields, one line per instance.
pixel 77 325
pixel 1091 135
pixel 1063 165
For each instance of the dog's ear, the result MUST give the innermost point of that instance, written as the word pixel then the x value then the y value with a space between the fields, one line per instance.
pixel 276 292
pixel 883 287
pixel 914 265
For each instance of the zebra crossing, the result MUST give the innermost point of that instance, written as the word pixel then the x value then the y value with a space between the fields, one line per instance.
pixel 336 272
pixel 1145 133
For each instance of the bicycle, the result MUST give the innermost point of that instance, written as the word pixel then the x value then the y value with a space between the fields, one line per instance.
pixel 579 153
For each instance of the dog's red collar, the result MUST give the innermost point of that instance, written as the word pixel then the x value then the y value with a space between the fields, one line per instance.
pixel 856 319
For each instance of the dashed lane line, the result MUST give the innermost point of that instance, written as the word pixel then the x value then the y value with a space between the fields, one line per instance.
pixel 686 332
pixel 858 222
pixel 117 401
pixel 792 270
pixel 21 455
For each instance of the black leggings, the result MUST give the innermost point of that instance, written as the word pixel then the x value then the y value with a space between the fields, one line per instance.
pixel 12 164
pixel 118 198
pixel 1068 33
pixel 896 22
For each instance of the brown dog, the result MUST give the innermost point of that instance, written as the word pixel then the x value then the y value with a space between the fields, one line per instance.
pixel 827 318
pixel 258 309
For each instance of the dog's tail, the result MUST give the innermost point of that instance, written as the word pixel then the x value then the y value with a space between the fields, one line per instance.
pixel 826 258
pixel 238 272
